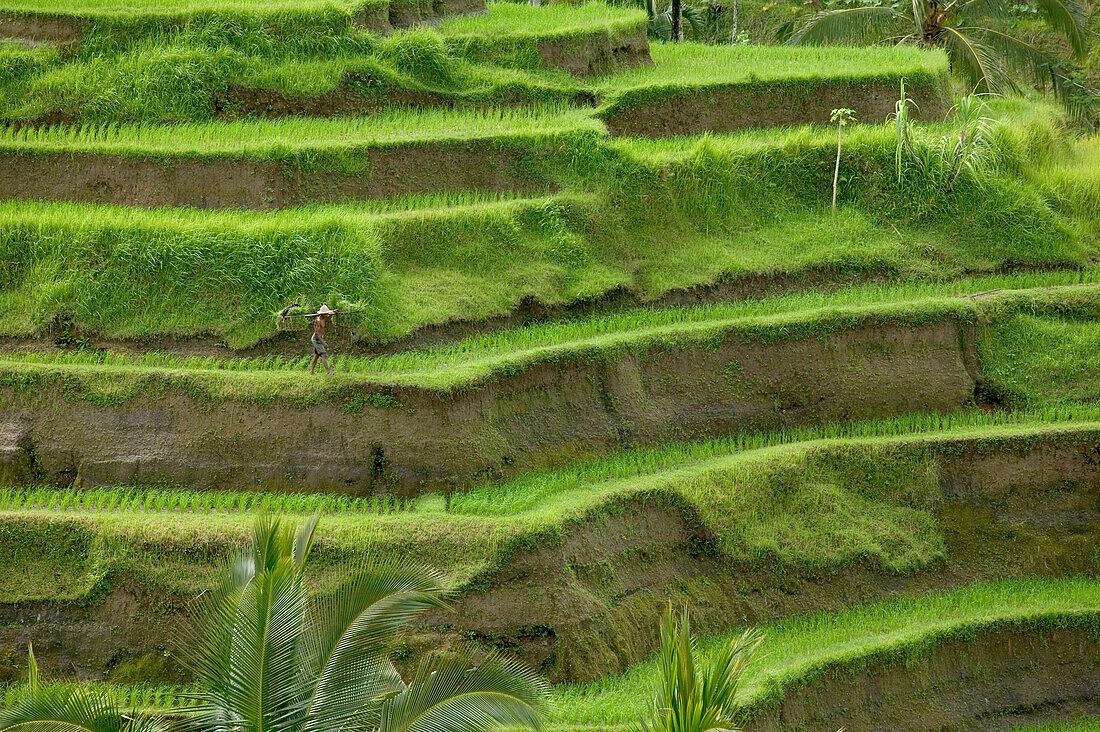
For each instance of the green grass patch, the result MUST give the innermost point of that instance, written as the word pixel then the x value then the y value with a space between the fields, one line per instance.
pixel 507 20
pixel 96 374
pixel 646 216
pixel 1091 724
pixel 798 649
pixel 511 34
pixel 693 65
pixel 817 497
pixel 284 137
pixel 1044 359
pixel 150 500
pixel 184 7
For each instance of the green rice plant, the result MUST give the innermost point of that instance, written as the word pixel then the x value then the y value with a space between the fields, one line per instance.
pixel 736 214
pixel 69 500
pixel 470 360
pixel 795 649
pixel 308 136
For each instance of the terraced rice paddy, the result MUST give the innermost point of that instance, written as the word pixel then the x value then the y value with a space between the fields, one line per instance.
pixel 605 347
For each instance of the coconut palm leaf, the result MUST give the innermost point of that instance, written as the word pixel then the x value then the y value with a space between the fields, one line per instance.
pixel 451 694
pixel 69 708
pixel 262 671
pixel 974 60
pixel 854 25
pixel 1040 68
pixel 345 660
pixel 73 708
pixel 1068 18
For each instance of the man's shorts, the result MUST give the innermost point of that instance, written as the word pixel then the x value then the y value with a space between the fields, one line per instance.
pixel 318 345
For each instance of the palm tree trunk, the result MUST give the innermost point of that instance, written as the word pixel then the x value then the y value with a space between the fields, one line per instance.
pixel 736 14
pixel 677 21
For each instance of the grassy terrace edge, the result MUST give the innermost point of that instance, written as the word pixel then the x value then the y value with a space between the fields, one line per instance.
pixel 467 364
pixel 800 650
pixel 269 138
pixel 694 91
pixel 475 533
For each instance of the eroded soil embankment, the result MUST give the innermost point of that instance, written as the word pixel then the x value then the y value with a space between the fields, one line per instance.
pixel 407 440
pixel 995 678
pixel 231 182
pixel 596 53
pixel 1027 506
pixel 41 28
pixel 69 29
pixel 294 342
pixel 694 110
pixel 583 603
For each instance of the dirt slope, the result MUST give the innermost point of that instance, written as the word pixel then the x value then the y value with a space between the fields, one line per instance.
pixel 539 416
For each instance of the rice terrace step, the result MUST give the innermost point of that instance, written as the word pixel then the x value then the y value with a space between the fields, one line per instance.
pixel 248 164
pixel 69 23
pixel 569 333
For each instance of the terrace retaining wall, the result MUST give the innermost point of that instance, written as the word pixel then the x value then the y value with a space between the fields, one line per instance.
pixel 237 182
pixel 584 603
pixel 753 105
pixel 543 415
pixel 989 679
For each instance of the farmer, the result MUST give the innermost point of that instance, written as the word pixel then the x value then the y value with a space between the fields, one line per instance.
pixel 321 318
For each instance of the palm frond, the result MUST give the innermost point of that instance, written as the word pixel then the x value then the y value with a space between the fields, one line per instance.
pixel 71 708
pixel 718 687
pixel 32 671
pixel 1042 69
pixel 973 11
pixel 262 671
pixel 1069 18
pixel 304 541
pixel 852 25
pixel 974 60
pixel 345 662
pixel 451 694
pixel 245 647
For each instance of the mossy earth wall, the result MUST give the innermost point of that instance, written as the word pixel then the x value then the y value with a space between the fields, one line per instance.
pixel 661 112
pixel 1007 507
pixel 578 602
pixel 239 182
pixel 405 440
pixel 992 678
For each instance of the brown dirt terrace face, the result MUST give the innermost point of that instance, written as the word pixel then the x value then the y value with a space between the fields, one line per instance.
pixel 595 53
pixel 544 415
pixel 229 182
pixel 755 105
pixel 999 678
pixel 581 603
pixel 41 28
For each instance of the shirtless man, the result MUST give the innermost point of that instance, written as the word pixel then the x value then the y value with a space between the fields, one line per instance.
pixel 320 319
